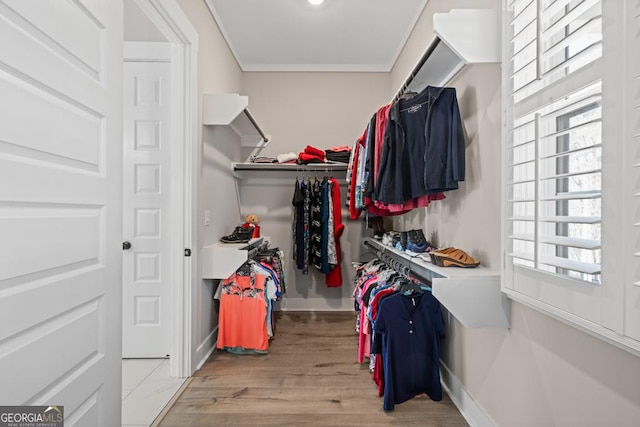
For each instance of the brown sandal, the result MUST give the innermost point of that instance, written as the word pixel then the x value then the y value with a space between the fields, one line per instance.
pixel 452 257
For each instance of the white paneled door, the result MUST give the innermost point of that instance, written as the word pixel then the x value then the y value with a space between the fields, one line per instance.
pixel 146 208
pixel 60 207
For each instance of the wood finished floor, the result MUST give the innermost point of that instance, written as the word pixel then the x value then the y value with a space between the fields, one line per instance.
pixel 310 377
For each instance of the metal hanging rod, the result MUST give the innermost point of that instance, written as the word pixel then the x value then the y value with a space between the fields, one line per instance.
pixel 255 124
pixel 262 245
pixel 416 69
pixel 401 265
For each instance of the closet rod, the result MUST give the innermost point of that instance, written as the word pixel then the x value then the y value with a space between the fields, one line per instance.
pixel 416 69
pixel 255 124
pixel 393 261
pixel 251 254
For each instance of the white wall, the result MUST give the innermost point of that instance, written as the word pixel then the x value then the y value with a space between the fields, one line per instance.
pixel 319 109
pixel 300 109
pixel 217 148
pixel 540 372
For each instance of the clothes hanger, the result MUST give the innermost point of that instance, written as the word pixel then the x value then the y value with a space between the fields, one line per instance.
pixel 408 95
pixel 245 269
pixel 409 287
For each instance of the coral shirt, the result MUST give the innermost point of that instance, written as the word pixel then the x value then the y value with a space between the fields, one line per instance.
pixel 243 313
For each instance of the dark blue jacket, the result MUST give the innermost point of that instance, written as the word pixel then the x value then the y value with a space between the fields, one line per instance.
pixel 423 149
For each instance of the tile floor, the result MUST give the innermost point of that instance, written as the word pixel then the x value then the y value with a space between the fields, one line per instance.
pixel 146 389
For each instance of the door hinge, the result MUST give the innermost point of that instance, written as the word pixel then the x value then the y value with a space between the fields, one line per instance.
pixel 187 252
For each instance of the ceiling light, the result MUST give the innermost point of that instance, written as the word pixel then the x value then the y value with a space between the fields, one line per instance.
pixel 316 2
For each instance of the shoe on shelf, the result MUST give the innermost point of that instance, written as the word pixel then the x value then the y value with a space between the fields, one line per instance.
pixel 453 257
pixel 387 239
pixel 417 237
pixel 416 242
pixel 239 235
pixel 390 238
pixel 416 248
pixel 401 243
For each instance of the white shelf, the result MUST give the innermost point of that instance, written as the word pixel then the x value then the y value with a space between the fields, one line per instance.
pixel 319 167
pixel 463 36
pixel 472 34
pixel 231 109
pixel 221 260
pixel 471 295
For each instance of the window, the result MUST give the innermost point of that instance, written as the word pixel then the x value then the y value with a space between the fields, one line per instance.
pixel 555 135
pixel 577 159
pixel 571 172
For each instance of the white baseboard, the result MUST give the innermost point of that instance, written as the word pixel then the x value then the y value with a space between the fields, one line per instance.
pixel 470 410
pixel 205 349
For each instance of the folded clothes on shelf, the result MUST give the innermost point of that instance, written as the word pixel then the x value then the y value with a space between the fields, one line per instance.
pixel 263 159
pixel 286 157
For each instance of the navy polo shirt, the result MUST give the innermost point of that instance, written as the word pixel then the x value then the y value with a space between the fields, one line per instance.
pixel 411 327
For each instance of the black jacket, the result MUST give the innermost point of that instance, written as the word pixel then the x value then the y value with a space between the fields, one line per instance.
pixel 423 150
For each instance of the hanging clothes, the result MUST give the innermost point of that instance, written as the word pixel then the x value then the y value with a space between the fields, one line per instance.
pixel 317 220
pixel 334 276
pixel 245 321
pixel 306 218
pixel 399 324
pixel 411 152
pixel 298 229
pixel 326 222
pixel 423 150
pixel 382 116
pixel 273 259
pixel 316 225
pixel 354 209
pixel 411 327
pixel 242 326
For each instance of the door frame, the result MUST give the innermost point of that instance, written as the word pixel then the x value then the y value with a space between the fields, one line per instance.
pixel 171 21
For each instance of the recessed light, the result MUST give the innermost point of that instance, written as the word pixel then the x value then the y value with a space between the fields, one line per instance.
pixel 315 2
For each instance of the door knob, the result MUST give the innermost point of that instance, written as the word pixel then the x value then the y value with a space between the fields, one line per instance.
pixel 126 246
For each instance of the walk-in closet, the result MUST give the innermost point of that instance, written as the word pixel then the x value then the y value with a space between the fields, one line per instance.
pixel 320 212
pixel 329 352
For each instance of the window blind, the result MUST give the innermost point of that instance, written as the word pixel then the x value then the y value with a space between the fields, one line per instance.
pixel 554 137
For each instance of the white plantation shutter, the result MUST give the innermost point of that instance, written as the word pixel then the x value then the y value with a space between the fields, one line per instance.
pixel 554 139
pixel 632 141
pixel 571 163
pixel 552 40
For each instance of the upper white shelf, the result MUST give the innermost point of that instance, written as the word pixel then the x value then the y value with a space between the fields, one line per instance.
pixel 463 36
pixel 318 167
pixel 472 34
pixel 471 295
pixel 231 109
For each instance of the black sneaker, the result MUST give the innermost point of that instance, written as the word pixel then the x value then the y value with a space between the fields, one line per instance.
pixel 417 243
pixel 239 235
pixel 417 237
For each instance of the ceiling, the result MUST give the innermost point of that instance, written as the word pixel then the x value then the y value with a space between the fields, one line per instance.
pixel 338 35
